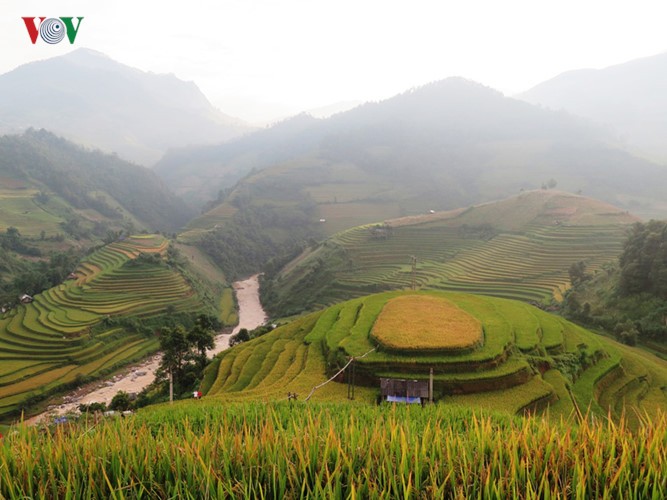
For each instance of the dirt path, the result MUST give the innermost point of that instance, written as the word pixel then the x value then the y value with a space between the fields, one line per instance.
pixel 136 378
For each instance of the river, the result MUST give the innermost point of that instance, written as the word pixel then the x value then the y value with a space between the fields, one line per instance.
pixel 136 378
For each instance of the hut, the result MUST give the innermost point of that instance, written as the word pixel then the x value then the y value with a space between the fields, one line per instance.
pixel 395 390
pixel 25 299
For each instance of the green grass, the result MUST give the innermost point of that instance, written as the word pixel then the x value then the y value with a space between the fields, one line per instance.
pixel 513 399
pixel 526 327
pixel 18 209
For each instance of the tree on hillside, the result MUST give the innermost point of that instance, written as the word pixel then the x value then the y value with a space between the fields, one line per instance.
pixel 644 260
pixel 184 353
pixel 174 347
pixel 201 338
pixel 120 402
pixel 12 237
pixel 238 338
pixel 577 273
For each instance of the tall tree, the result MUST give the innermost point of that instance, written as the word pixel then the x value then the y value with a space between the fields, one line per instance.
pixel 174 347
pixel 201 338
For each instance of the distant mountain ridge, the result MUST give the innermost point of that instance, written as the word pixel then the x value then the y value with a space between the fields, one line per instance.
pixel 441 114
pixel 445 145
pixel 93 100
pixel 630 98
pixel 199 172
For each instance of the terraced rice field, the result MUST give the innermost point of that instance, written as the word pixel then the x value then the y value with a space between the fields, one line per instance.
pixel 419 323
pixel 524 257
pixel 530 266
pixel 529 360
pixel 57 339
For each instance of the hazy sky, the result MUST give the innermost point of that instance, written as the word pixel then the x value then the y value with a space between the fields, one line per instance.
pixel 261 59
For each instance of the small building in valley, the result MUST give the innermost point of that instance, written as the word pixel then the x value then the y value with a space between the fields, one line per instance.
pixel 25 299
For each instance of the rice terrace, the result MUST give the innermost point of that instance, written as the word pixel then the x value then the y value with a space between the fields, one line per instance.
pixel 414 323
pixel 488 362
pixel 67 333
pixel 527 360
pixel 519 248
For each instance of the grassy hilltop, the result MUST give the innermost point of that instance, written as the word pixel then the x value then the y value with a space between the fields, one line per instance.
pixel 519 248
pixel 527 360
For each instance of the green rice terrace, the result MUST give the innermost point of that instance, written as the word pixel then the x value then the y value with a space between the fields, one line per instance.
pixel 67 333
pixel 527 361
pixel 519 248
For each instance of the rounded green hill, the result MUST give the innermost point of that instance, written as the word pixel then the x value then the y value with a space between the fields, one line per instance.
pixel 528 360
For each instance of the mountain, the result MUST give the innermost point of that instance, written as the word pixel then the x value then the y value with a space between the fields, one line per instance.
pixel 332 109
pixel 629 98
pixel 445 145
pixel 50 184
pixel 96 101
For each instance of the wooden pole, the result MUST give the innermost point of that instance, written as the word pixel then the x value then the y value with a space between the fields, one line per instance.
pixel 430 386
pixel 171 386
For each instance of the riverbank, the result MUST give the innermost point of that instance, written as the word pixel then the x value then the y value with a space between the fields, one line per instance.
pixel 137 377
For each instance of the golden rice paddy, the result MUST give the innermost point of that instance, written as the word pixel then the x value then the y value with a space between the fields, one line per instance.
pixel 422 323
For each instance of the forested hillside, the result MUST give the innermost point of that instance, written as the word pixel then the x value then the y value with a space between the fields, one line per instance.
pixel 96 186
pixel 629 297
pixel 200 173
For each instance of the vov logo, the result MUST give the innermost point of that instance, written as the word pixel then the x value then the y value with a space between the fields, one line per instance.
pixel 53 29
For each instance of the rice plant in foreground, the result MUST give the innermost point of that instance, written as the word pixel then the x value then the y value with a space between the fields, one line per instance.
pixel 209 450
